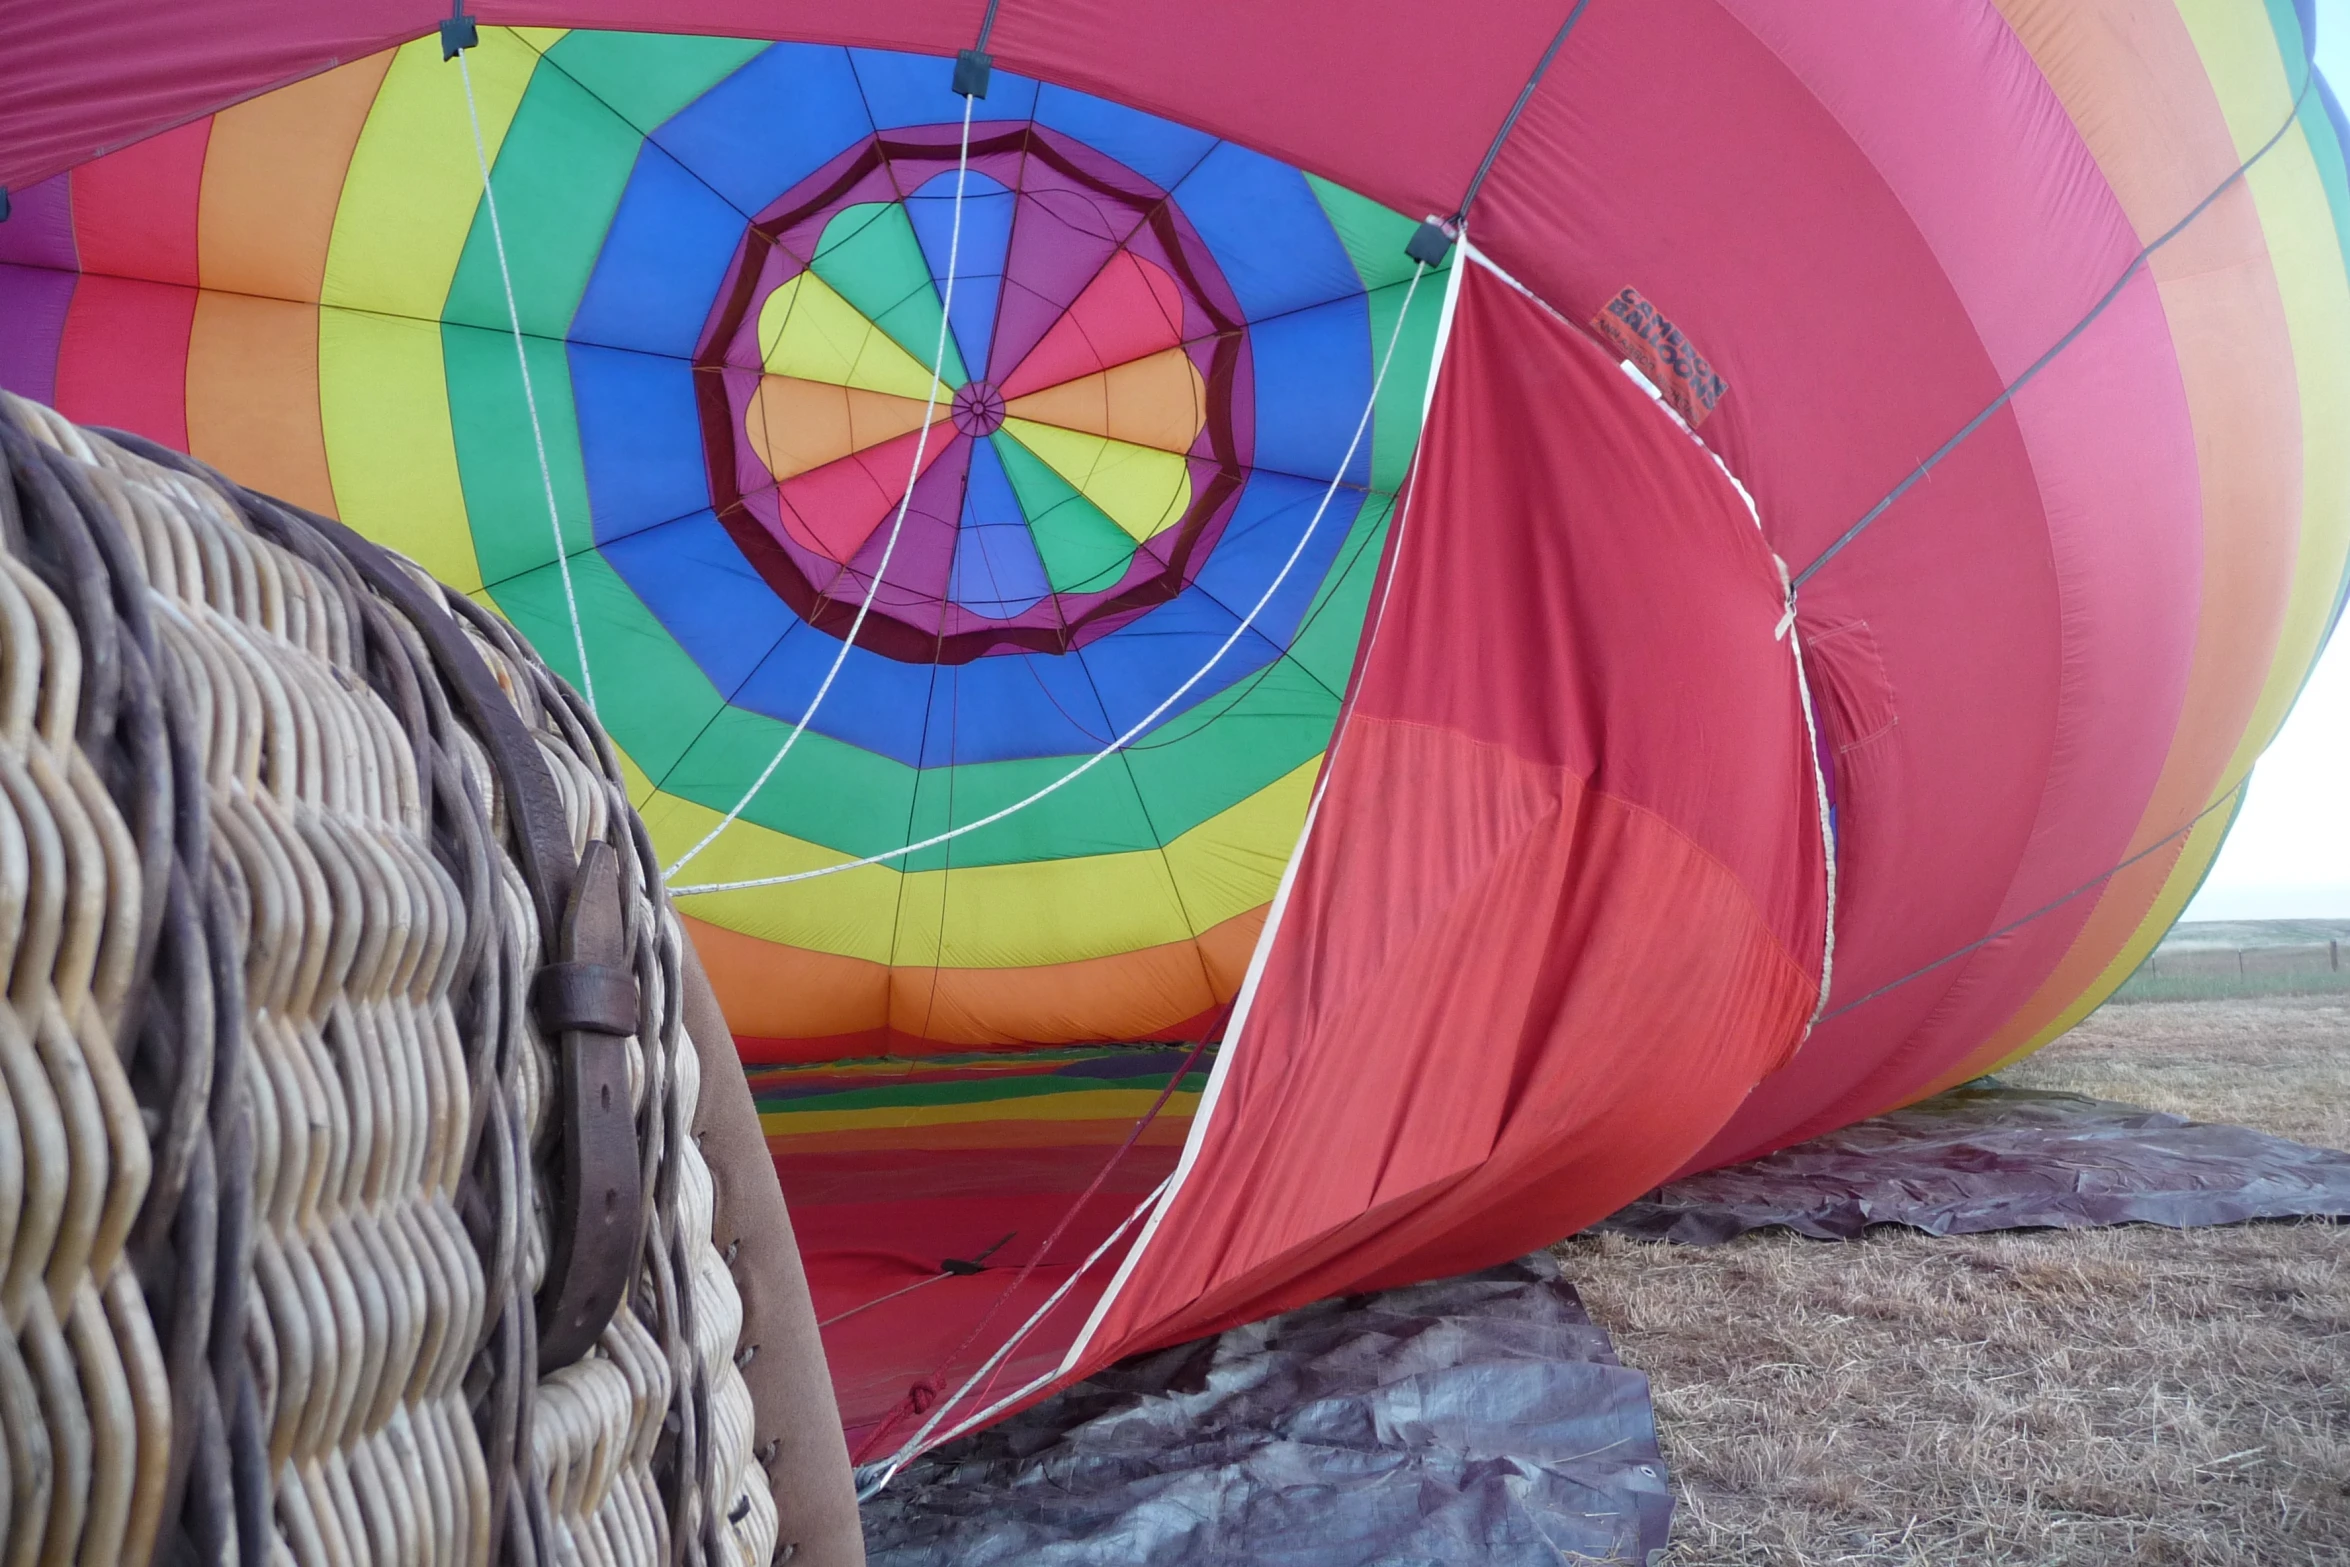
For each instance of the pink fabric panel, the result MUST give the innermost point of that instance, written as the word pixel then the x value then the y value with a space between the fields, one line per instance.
pixel 1731 197
pixel 1991 170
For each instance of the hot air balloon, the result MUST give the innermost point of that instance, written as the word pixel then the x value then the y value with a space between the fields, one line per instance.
pixel 1281 648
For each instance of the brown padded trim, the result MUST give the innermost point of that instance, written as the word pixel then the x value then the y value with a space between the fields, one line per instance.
pixel 791 1388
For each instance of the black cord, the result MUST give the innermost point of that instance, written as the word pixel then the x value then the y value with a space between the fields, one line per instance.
pixel 2047 908
pixel 1509 124
pixel 2008 395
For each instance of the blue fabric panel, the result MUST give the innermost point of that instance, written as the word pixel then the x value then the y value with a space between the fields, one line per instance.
pixel 640 438
pixel 1313 377
pixel 1273 511
pixel 661 263
pixel 694 580
pixel 918 89
pixel 1021 706
pixel 979 260
pixel 996 571
pixel 787 113
pixel 1267 230
pixel 1156 149
pixel 1141 665
pixel 1028 704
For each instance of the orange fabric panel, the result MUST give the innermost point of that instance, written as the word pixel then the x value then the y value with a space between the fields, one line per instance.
pixel 771 991
pixel 272 180
pixel 253 395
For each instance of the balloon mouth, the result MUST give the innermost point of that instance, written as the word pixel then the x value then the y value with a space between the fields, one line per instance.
pixel 978 409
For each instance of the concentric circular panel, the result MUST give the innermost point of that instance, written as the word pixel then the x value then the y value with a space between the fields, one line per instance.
pixel 1087 435
pixel 1114 507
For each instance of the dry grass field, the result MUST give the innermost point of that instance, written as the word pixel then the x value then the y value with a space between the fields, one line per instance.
pixel 2103 1396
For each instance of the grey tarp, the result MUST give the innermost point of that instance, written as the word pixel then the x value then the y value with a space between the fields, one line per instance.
pixel 1478 1419
pixel 1989 1157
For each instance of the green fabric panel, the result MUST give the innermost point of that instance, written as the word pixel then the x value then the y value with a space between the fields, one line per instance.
pixel 647 77
pixel 1374 237
pixel 1082 549
pixel 857 803
pixel 651 696
pixel 869 254
pixel 2293 46
pixel 2326 148
pixel 1395 423
pixel 1333 628
pixel 558 179
pixel 969 1091
pixel 497 457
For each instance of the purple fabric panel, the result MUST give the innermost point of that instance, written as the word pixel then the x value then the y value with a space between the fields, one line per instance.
pixel 39 230
pixel 33 303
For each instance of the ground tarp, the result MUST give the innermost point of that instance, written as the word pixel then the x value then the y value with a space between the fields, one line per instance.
pixel 1990 1157
pixel 1476 1419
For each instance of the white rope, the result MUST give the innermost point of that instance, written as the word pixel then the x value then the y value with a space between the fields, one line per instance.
pixel 889 548
pixel 1819 778
pixel 890 1466
pixel 1149 719
pixel 538 436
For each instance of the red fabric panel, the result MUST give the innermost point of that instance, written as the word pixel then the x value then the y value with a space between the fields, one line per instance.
pixel 1574 849
pixel 124 357
pixel 134 213
pixel 80 77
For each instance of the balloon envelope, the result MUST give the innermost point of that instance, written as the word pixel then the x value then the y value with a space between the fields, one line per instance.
pixel 2048 301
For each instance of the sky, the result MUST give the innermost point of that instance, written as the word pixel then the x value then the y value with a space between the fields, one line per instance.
pixel 2289 856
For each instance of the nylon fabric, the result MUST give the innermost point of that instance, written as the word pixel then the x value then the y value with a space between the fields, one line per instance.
pixel 1489 834
pixel 1557 923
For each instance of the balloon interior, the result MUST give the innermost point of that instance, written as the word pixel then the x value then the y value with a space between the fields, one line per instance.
pixel 1223 746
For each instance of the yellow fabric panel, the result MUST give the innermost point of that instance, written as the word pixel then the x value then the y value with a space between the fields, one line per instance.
pixel 807 331
pixel 989 916
pixel 1142 490
pixel 414 182
pixel 407 205
pixel 2239 49
pixel 384 410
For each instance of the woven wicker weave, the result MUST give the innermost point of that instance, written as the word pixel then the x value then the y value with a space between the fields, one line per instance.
pixel 279 1172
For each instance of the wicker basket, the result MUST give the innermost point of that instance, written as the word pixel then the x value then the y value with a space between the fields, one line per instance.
pixel 348 1208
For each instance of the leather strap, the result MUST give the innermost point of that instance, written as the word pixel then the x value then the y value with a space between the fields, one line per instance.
pixel 593 997
pixel 599 1201
pixel 795 1423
